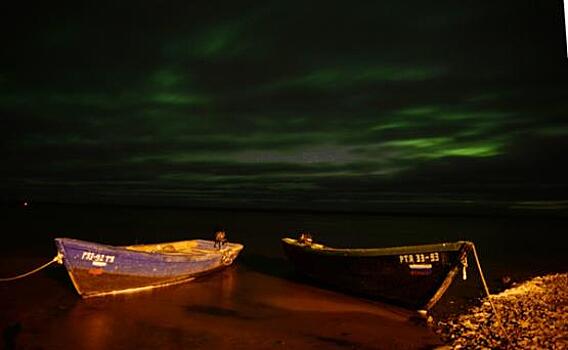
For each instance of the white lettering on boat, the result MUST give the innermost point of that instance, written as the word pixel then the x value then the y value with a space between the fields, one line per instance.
pixel 98 259
pixel 420 266
pixel 419 258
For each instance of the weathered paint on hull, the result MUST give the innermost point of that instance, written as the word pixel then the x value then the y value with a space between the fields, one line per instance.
pixel 89 285
pixel 410 278
pixel 98 270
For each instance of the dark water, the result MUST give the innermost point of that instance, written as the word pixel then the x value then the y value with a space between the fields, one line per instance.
pixel 256 304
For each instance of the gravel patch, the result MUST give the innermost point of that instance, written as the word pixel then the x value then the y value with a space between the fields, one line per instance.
pixel 534 315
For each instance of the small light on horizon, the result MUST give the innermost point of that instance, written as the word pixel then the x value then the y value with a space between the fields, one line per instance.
pixel 566 24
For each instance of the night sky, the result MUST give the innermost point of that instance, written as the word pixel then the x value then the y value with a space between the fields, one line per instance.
pixel 286 104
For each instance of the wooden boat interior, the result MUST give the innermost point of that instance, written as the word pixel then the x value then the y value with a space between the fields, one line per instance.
pixel 193 247
pixel 452 246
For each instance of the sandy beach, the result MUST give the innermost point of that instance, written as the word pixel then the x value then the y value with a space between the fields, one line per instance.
pixel 235 309
pixel 259 303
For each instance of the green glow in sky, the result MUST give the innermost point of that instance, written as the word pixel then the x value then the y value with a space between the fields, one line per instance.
pixel 274 101
pixel 218 41
pixel 343 77
pixel 178 99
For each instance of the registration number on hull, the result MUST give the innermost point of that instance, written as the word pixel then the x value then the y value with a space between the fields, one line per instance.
pixel 419 258
pixel 98 259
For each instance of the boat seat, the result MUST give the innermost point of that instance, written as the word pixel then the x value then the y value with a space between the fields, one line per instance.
pixel 168 249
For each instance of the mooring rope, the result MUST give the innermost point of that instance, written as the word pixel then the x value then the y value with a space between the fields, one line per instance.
pixel 57 259
pixel 499 323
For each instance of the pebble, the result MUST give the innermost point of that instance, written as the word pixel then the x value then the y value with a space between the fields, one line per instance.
pixel 534 315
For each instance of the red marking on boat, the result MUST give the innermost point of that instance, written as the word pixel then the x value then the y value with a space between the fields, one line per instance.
pixel 96 272
pixel 420 272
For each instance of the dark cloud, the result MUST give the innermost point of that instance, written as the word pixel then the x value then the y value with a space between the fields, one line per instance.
pixel 284 102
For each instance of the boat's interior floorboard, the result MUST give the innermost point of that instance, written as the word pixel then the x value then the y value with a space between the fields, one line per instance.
pixel 196 247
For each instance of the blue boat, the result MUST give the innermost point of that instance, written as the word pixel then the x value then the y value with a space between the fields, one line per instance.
pixel 99 269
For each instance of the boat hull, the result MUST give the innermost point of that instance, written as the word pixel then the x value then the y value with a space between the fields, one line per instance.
pixel 97 269
pixel 413 277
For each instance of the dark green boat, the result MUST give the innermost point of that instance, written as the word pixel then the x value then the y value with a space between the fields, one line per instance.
pixel 413 276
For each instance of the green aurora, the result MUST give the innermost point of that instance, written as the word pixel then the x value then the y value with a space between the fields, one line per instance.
pixel 285 105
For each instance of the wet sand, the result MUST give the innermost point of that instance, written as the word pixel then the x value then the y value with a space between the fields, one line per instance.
pixel 233 309
pixel 258 303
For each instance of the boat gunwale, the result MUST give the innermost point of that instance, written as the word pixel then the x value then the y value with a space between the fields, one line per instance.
pixel 423 248
pixel 126 249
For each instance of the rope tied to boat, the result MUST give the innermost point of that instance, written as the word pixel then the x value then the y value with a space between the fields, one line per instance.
pixel 486 288
pixel 57 259
pixel 463 261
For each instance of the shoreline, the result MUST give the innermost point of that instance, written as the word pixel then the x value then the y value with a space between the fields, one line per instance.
pixel 235 308
pixel 259 291
pixel 533 314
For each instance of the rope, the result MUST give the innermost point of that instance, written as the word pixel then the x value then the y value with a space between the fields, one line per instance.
pixel 499 323
pixel 58 259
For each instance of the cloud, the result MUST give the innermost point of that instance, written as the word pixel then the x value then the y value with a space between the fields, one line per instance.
pixel 283 102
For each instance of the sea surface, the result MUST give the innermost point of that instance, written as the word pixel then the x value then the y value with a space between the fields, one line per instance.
pixel 259 303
